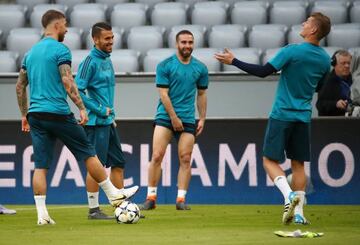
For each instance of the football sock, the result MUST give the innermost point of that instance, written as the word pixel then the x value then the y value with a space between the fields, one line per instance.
pixel 299 208
pixel 41 206
pixel 110 190
pixel 181 195
pixel 93 199
pixel 151 193
pixel 283 185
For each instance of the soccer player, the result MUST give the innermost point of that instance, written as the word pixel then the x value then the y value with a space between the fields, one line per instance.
pixel 303 68
pixel 179 79
pixel 96 82
pixel 46 69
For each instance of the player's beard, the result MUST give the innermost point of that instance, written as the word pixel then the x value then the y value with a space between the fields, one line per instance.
pixel 185 52
pixel 61 37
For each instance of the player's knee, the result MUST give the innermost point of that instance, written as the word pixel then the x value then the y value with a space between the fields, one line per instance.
pixel 185 158
pixel 157 157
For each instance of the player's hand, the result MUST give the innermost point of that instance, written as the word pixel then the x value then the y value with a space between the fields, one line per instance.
pixel 25 127
pixel 341 104
pixel 200 127
pixel 83 117
pixel 177 124
pixel 108 111
pixel 226 57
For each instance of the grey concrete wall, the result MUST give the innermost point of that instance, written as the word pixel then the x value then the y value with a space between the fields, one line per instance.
pixel 229 96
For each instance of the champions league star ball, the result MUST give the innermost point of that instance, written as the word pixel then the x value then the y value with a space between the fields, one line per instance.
pixel 127 213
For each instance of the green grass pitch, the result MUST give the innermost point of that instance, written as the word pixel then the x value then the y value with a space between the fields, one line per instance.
pixel 204 224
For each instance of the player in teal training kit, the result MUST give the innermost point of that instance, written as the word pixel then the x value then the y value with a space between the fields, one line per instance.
pixel 47 69
pixel 179 79
pixel 303 69
pixel 96 83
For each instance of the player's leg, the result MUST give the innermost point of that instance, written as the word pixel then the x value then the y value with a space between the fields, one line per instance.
pixel 4 210
pixel 185 148
pixel 299 148
pixel 276 137
pixel 74 137
pixel 161 138
pixel 43 145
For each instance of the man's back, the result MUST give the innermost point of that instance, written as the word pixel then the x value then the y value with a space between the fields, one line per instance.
pixel 47 93
pixel 302 67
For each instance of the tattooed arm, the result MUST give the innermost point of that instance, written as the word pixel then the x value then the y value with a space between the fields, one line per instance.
pixel 22 99
pixel 72 91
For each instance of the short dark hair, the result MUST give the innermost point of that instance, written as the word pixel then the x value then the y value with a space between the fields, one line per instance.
pixel 98 27
pixel 323 23
pixel 182 32
pixel 50 16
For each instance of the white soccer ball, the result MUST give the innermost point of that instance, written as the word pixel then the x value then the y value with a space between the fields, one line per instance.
pixel 127 213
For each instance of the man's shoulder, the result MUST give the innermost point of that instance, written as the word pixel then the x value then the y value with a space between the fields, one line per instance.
pixel 168 61
pixel 198 63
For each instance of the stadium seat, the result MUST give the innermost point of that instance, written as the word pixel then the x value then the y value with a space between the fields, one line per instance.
pixel 8 61
pixel 22 39
pixel 73 38
pixel 86 14
pixel 77 57
pixel 118 37
pixel 197 30
pixel 288 12
pixel 11 16
pixel 190 2
pixel 169 14
pixel 355 12
pixel 249 55
pixel 335 10
pixel 331 50
pixel 128 15
pixel 230 36
pixel 125 60
pixel 267 36
pixel 344 37
pixel 209 13
pixel 31 3
pixel 71 3
pixel 268 54
pixel 206 55
pixel 40 9
pixel 249 13
pixel 111 3
pixel 150 3
pixel 155 56
pixel 143 38
pixel 294 35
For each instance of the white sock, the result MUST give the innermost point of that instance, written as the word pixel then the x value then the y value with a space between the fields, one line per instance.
pixel 299 207
pixel 93 199
pixel 181 193
pixel 110 190
pixel 41 206
pixel 152 191
pixel 284 187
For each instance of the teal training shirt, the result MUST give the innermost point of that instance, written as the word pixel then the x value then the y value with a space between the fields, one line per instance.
pixel 183 80
pixel 42 61
pixel 303 66
pixel 96 82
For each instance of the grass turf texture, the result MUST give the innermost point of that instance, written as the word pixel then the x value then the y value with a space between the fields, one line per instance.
pixel 204 224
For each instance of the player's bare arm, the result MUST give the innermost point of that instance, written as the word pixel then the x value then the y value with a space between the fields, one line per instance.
pixel 72 91
pixel 201 106
pixel 165 99
pixel 22 99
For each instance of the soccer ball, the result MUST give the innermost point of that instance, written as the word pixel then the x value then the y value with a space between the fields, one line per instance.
pixel 127 213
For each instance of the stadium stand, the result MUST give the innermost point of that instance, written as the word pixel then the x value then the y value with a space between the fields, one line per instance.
pixel 144 38
pixel 337 11
pixel 86 14
pixel 169 14
pixel 77 57
pixel 288 12
pixel 206 55
pixel 73 38
pixel 249 13
pixel 345 36
pixel 11 16
pixel 128 15
pixel 31 3
pixel 125 60
pixel 209 13
pixel 267 36
pixel 8 61
pixel 22 39
pixel 155 56
pixel 70 3
pixel 355 12
pixel 268 54
pixel 231 36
